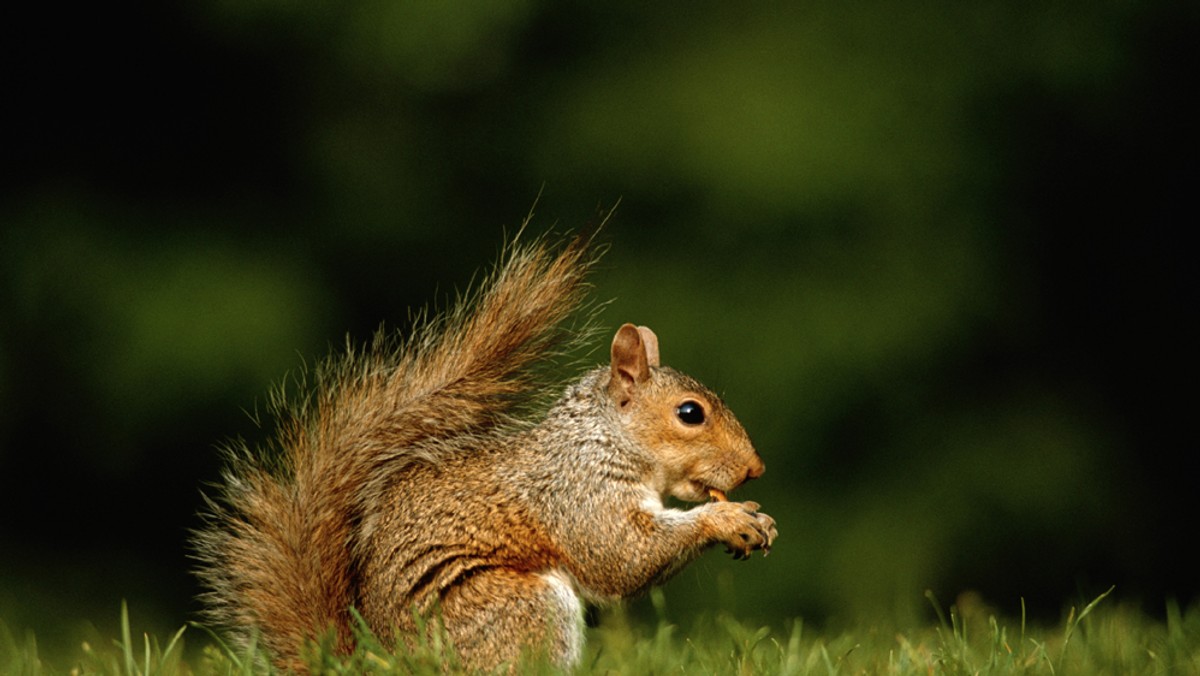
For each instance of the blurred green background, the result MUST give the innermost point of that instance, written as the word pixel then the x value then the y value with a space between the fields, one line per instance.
pixel 930 252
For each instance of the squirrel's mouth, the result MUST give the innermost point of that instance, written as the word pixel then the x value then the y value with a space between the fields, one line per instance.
pixel 698 491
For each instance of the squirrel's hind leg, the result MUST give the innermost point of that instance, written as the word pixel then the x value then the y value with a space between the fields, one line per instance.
pixel 497 615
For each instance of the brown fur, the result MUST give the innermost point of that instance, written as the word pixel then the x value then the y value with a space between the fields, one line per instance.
pixel 409 476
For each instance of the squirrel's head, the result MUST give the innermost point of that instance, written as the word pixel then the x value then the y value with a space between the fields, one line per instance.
pixel 698 444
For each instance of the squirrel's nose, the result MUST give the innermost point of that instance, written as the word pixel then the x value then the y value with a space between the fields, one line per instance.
pixel 756 469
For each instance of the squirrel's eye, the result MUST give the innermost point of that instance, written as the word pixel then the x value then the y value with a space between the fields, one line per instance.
pixel 690 412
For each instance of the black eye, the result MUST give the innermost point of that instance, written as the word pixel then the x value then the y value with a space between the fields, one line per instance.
pixel 690 412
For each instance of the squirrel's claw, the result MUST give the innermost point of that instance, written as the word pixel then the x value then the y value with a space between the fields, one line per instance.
pixel 769 531
pixel 738 554
pixel 745 529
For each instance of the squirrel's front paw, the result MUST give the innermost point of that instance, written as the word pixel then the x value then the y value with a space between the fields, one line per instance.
pixel 742 528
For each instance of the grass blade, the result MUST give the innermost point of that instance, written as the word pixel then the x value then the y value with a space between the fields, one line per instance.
pixel 126 640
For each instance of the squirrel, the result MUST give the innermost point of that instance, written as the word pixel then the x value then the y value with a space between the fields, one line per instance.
pixel 411 479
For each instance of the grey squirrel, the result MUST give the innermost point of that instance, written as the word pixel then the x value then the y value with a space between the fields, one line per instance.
pixel 411 477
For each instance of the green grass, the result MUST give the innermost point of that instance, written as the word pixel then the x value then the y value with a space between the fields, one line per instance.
pixel 1098 637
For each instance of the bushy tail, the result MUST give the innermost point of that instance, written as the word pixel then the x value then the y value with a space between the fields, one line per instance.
pixel 277 550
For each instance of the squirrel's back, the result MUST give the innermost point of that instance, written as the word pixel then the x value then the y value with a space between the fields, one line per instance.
pixel 278 549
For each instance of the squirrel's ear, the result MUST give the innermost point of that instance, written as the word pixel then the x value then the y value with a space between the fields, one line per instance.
pixel 630 363
pixel 651 342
